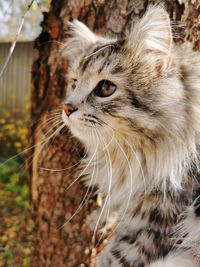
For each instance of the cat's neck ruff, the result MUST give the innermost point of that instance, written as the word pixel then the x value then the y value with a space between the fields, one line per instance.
pixel 122 171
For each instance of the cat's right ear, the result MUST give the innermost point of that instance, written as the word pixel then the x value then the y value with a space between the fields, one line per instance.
pixel 151 38
pixel 80 38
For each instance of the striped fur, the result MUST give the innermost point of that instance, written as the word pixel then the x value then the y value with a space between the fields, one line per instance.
pixel 142 141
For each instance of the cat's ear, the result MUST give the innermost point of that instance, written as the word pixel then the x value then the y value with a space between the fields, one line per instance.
pixel 152 37
pixel 80 38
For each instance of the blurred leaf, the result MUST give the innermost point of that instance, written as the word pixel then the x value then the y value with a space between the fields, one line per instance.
pixel 14 179
pixel 8 253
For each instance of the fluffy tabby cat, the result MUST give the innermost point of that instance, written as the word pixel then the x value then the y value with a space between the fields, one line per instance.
pixel 135 105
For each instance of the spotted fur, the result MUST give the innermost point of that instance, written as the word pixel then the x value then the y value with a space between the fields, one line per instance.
pixel 142 141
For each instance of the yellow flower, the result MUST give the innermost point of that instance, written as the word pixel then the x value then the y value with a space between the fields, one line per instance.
pixel 9 127
pixel 2 121
pixel 23 132
pixel 17 144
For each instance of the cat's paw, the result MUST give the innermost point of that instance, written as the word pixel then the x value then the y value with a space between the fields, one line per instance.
pixel 107 260
pixel 103 223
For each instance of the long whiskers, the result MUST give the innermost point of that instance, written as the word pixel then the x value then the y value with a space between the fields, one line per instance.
pixel 51 136
pixel 131 187
pixel 86 196
pixel 48 123
pixel 67 168
pixel 138 161
pixel 91 159
pixel 135 155
pixel 110 174
pixel 109 190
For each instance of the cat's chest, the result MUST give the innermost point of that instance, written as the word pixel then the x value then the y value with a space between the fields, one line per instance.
pixel 118 178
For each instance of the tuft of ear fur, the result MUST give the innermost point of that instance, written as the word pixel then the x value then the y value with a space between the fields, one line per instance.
pixel 81 37
pixel 152 35
pixel 82 32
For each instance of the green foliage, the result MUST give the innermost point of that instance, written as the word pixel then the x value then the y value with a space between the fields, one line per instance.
pixel 16 227
pixel 13 134
pixel 13 178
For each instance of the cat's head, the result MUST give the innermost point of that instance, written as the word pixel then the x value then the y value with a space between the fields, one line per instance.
pixel 126 86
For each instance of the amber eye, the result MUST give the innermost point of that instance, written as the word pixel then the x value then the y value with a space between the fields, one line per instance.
pixel 104 88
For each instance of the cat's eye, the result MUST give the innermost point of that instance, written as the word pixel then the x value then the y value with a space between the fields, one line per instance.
pixel 104 88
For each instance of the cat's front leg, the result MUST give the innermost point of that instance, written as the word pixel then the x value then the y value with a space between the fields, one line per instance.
pixel 114 256
pixel 118 255
pixel 176 260
pixel 106 259
pixel 134 248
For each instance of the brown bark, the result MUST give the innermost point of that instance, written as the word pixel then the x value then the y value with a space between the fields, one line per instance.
pixel 71 244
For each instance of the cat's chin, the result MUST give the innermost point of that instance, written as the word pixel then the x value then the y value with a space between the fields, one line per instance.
pixel 81 132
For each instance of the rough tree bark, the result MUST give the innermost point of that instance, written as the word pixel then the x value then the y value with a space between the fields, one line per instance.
pixel 52 204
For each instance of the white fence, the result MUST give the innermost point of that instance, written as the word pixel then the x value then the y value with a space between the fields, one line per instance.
pixel 15 84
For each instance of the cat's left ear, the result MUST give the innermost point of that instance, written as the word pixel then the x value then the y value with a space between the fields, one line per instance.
pixel 151 38
pixel 80 38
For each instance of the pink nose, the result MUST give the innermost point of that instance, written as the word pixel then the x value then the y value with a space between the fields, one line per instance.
pixel 69 109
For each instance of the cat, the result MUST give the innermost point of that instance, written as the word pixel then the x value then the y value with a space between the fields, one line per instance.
pixel 135 105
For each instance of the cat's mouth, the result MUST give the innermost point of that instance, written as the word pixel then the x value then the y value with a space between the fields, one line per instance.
pixel 69 109
pixel 80 123
pixel 84 127
pixel 72 114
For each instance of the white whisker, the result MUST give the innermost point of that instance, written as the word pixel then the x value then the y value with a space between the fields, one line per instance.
pixel 64 169
pixel 91 159
pixel 85 198
pixel 109 168
pixel 131 186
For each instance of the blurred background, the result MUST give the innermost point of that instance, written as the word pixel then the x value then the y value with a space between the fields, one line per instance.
pixel 15 90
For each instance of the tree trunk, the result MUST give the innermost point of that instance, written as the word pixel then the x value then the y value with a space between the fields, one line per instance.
pixel 70 244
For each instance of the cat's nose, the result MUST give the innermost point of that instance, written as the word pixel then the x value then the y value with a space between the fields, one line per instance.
pixel 69 108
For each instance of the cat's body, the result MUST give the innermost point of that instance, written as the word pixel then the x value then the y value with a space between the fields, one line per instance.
pixel 135 105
